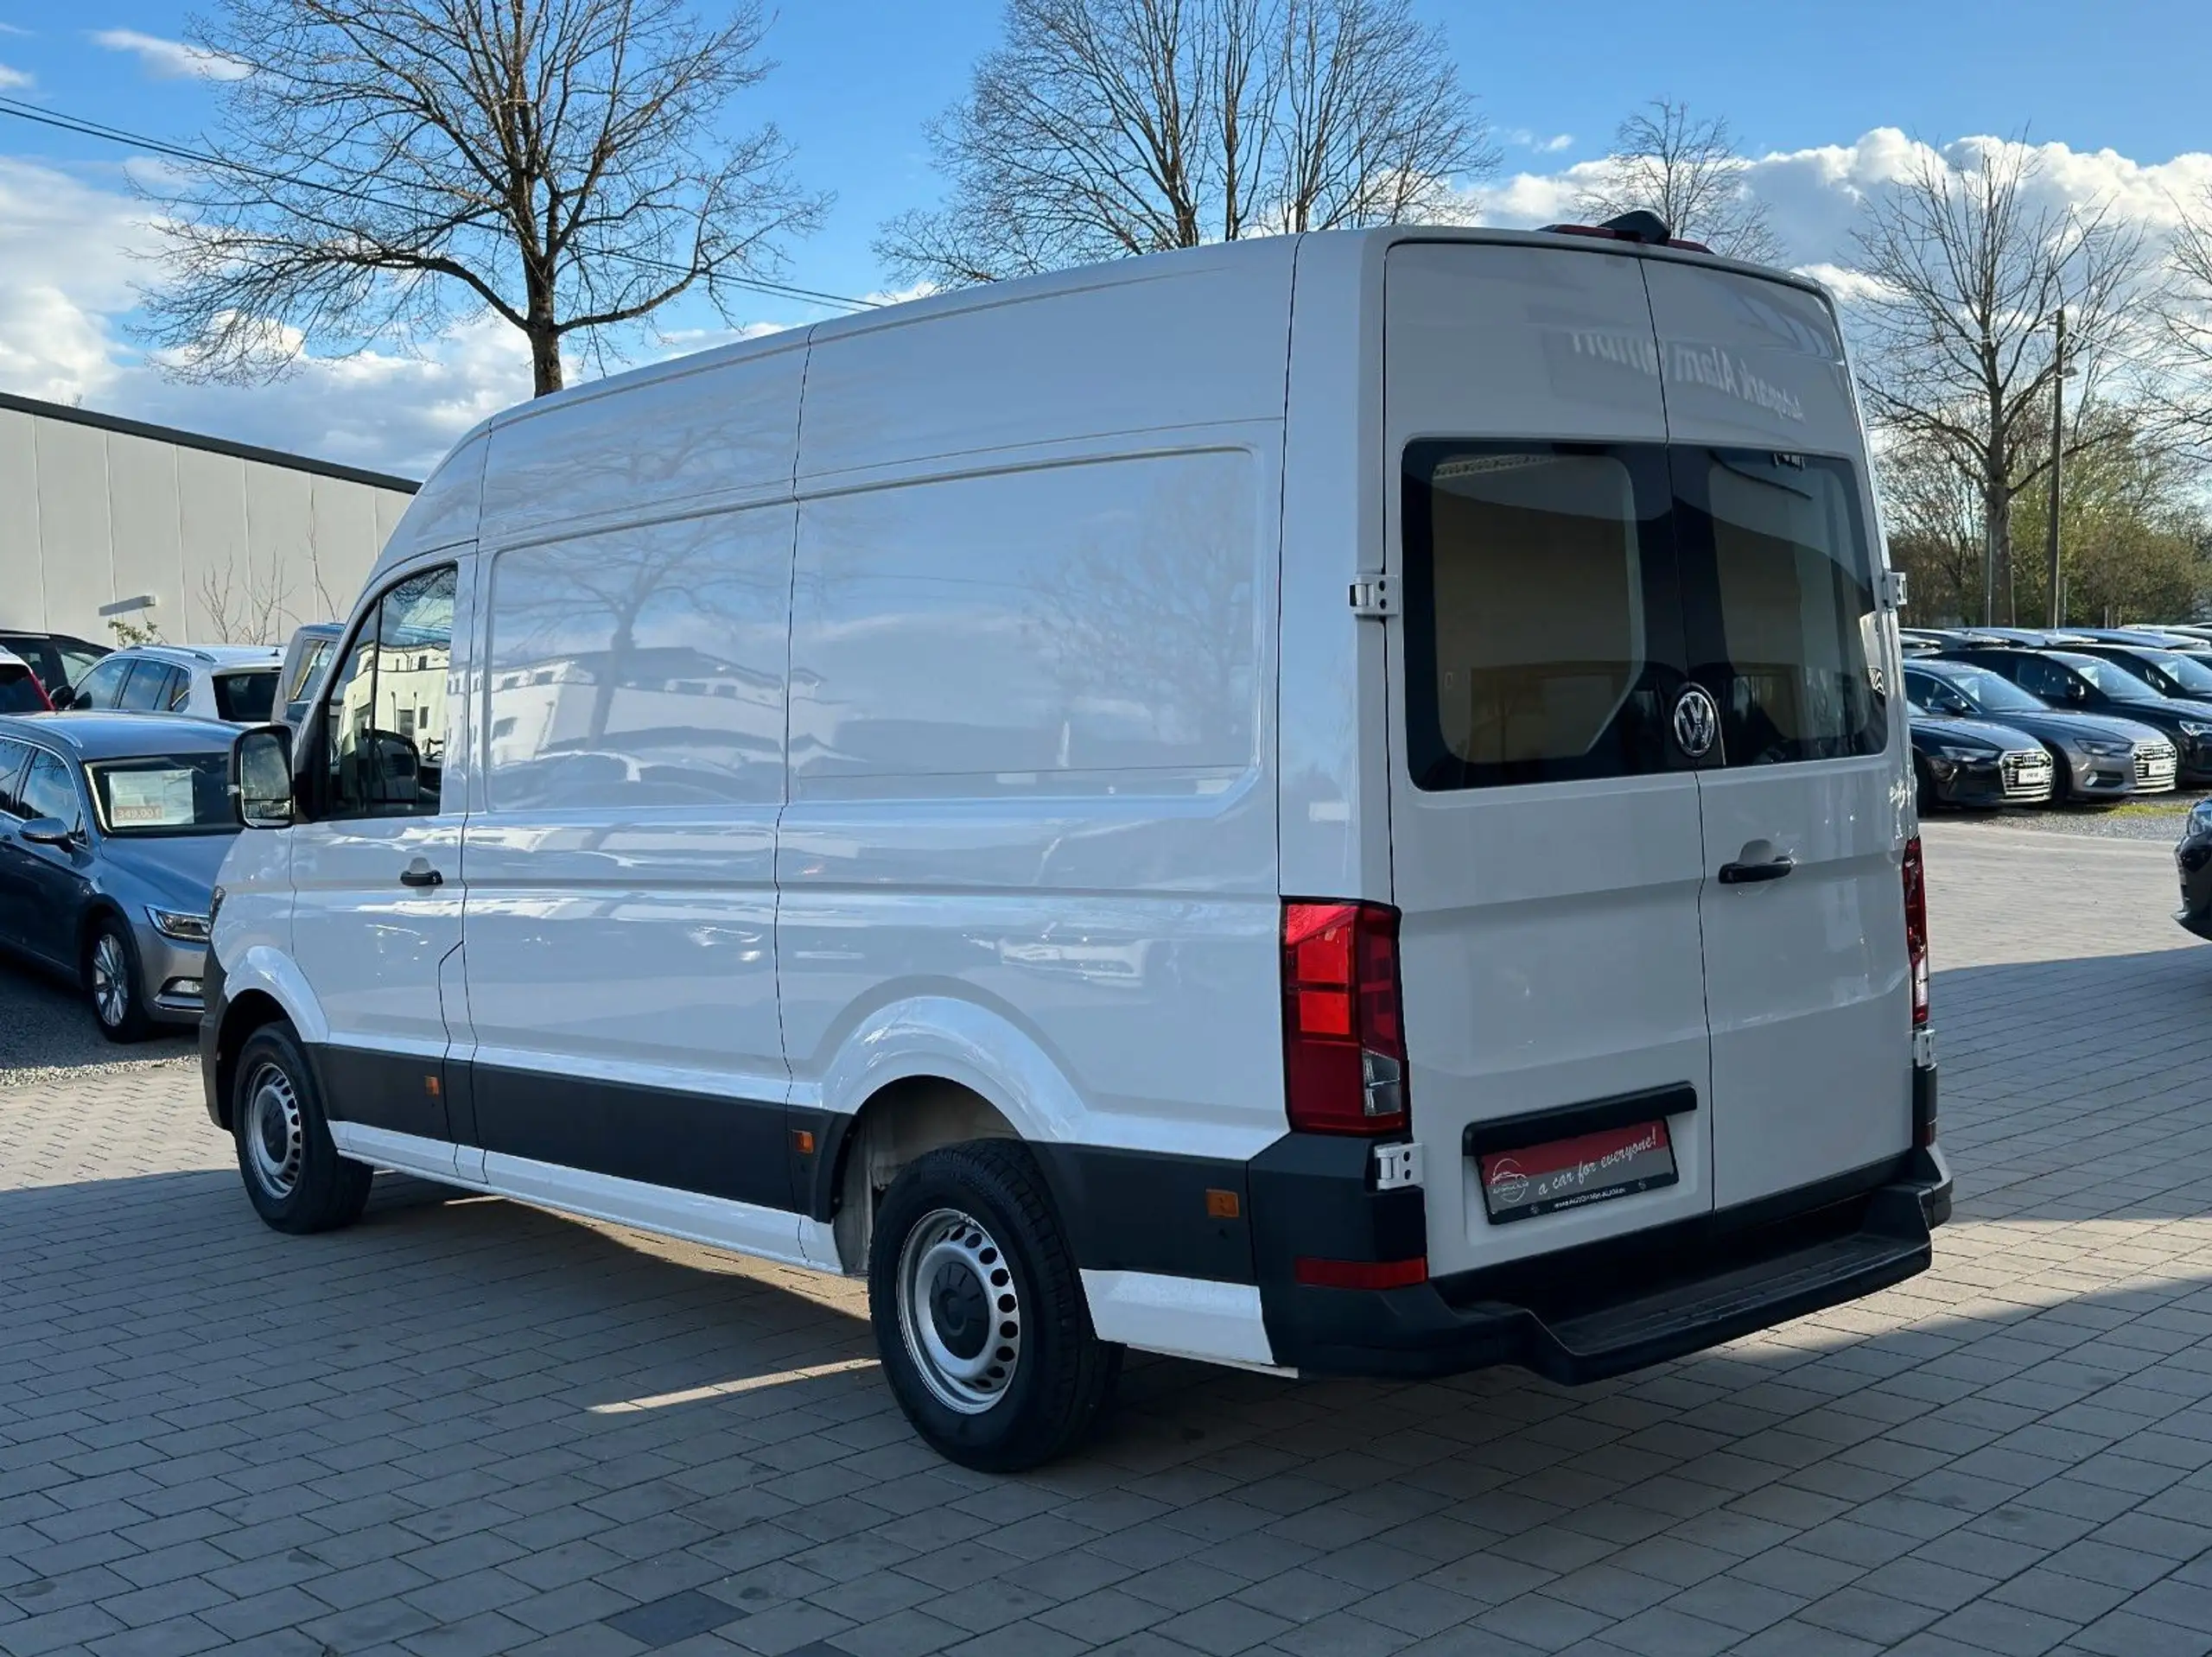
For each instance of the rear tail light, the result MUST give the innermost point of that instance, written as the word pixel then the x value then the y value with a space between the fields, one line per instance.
pixel 1344 1034
pixel 1915 927
pixel 1317 1273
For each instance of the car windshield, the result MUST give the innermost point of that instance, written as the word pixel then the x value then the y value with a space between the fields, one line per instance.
pixel 1991 694
pixel 2115 681
pixel 246 698
pixel 164 794
pixel 2190 676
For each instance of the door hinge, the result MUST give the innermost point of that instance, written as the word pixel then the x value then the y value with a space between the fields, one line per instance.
pixel 1893 585
pixel 1375 595
pixel 1396 1166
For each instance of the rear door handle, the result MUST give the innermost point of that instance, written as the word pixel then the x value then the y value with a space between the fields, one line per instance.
pixel 420 873
pixel 1742 874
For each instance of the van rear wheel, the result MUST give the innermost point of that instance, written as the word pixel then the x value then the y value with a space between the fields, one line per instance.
pixel 293 1176
pixel 979 1310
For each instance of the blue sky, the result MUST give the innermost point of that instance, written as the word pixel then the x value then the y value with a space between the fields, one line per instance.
pixel 858 78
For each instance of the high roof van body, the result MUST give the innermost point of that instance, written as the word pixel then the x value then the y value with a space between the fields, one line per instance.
pixel 1334 805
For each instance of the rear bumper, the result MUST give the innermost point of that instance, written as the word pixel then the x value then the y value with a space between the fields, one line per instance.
pixel 1585 1314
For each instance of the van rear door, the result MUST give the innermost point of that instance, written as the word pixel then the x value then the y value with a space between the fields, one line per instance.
pixel 1547 848
pixel 1805 798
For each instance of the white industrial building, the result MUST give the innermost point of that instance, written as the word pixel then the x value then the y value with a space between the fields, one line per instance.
pixel 199 540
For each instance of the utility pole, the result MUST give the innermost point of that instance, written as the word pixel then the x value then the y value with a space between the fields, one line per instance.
pixel 2057 436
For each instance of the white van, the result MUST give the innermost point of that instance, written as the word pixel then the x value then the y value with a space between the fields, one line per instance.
pixel 1332 804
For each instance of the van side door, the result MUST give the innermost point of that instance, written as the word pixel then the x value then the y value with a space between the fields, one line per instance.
pixel 621 956
pixel 376 862
pixel 1807 797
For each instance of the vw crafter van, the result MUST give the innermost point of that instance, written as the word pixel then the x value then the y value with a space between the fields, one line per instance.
pixel 1335 804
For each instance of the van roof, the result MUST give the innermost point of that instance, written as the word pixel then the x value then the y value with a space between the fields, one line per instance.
pixel 469 451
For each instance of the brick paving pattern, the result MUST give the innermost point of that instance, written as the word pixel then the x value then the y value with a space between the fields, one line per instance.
pixel 466 1428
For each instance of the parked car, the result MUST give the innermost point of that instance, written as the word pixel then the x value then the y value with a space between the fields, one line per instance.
pixel 1967 762
pixel 236 684
pixel 2182 676
pixel 2189 629
pixel 58 659
pixel 2094 757
pixel 2036 638
pixel 1155 899
pixel 2193 858
pixel 2158 638
pixel 112 829
pixel 20 690
pixel 2092 684
pixel 1919 641
pixel 306 659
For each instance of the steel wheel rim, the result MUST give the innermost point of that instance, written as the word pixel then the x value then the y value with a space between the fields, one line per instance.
pixel 274 1142
pixel 111 981
pixel 951 1273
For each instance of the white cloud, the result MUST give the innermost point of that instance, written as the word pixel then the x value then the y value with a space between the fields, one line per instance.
pixel 1522 138
pixel 171 59
pixel 13 80
pixel 1814 197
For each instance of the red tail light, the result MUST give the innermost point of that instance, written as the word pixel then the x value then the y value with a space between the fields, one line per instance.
pixel 1344 1036
pixel 1915 927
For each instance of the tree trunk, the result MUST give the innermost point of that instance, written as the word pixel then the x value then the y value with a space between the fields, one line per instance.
pixel 544 336
pixel 545 359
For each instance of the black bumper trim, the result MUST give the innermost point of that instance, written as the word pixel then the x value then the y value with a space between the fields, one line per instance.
pixel 1602 1309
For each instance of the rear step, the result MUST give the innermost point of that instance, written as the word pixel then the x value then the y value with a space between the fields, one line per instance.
pixel 1671 1322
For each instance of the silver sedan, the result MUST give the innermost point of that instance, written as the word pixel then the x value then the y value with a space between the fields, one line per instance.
pixel 112 827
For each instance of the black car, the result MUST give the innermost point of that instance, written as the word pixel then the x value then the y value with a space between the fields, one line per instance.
pixel 2095 757
pixel 58 659
pixel 1972 763
pixel 2080 682
pixel 2193 858
pixel 2186 675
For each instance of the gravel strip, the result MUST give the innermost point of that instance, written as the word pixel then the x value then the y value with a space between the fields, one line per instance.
pixel 2161 822
pixel 47 1032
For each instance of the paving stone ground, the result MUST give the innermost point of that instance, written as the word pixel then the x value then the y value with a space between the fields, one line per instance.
pixel 468 1427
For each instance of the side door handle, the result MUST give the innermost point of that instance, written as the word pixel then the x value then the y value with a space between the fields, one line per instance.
pixel 1744 874
pixel 420 873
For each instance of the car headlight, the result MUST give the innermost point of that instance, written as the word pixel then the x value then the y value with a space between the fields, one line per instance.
pixel 1964 753
pixel 2195 728
pixel 2108 750
pixel 181 924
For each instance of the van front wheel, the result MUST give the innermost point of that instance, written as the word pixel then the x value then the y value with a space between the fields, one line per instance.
pixel 979 1310
pixel 293 1176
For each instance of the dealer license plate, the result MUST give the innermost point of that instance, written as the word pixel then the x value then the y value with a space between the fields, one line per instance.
pixel 1573 1174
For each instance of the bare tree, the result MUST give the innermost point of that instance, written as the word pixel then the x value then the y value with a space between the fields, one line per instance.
pixel 381 167
pixel 1966 273
pixel 2185 315
pixel 243 608
pixel 1104 128
pixel 1688 172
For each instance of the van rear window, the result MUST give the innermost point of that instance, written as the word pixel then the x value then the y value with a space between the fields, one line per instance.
pixel 1560 598
pixel 1540 636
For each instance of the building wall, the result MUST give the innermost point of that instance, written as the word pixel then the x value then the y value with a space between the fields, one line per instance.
pixel 236 545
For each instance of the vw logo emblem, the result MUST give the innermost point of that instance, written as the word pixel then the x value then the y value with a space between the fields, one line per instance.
pixel 1697 722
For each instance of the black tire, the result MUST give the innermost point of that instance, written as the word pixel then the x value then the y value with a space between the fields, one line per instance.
pixel 1060 1375
pixel 115 984
pixel 293 1176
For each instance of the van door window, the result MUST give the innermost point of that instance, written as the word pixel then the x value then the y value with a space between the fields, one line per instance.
pixel 1780 604
pixel 378 764
pixel 1544 630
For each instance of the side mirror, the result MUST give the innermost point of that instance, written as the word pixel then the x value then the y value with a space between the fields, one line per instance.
pixel 48 831
pixel 62 697
pixel 261 776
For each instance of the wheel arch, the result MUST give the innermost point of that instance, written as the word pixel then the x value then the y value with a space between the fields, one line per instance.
pixel 243 1014
pixel 858 1156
